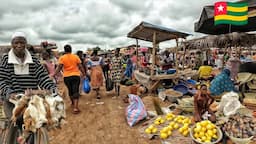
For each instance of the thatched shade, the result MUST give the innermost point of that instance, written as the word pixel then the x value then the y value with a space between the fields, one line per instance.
pixel 222 41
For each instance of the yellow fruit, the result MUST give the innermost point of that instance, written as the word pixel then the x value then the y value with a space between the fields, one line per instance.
pixel 154 130
pixel 196 130
pixel 169 118
pixel 169 133
pixel 151 127
pixel 185 133
pixel 176 126
pixel 162 121
pixel 203 129
pixel 201 134
pixel 157 123
pixel 215 136
pixel 169 127
pixel 214 131
pixel 163 135
pixel 207 141
pixel 204 123
pixel 165 129
pixel 147 131
pixel 198 126
pixel 210 133
pixel 208 138
pixel 172 123
pixel 209 127
pixel 196 135
pixel 203 138
pixel 181 130
pixel 179 121
pixel 186 125
pixel 209 122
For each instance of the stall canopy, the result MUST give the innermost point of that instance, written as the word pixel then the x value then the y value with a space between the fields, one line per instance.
pixel 206 21
pixel 145 31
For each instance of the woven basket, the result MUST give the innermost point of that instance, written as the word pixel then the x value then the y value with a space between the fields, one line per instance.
pixel 218 140
pixel 240 140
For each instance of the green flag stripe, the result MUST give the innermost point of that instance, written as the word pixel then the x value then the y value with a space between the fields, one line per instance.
pixel 237 13
pixel 230 22
pixel 239 4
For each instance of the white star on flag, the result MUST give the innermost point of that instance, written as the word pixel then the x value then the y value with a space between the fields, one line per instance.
pixel 220 8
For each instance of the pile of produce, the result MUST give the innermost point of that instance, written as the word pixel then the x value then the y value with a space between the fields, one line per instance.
pixel 239 126
pixel 205 131
pixel 164 126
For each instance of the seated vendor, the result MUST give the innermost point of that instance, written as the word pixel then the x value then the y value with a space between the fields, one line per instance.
pixel 205 71
pixel 222 83
pixel 202 102
pixel 166 60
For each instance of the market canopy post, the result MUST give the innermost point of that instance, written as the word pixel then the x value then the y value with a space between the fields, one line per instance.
pixel 155 34
pixel 206 21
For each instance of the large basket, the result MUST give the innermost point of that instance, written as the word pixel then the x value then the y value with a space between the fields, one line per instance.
pixel 173 95
pixel 240 140
pixel 218 140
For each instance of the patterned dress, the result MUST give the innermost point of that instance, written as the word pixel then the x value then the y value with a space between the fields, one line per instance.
pixel 116 69
pixel 222 83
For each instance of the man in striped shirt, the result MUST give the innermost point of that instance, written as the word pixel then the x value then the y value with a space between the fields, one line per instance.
pixel 19 71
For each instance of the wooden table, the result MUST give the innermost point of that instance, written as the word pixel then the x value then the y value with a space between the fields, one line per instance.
pixel 151 82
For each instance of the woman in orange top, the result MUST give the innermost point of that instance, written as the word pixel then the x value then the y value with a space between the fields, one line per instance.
pixel 71 64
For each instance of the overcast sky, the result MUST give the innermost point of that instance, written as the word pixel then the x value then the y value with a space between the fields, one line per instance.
pixel 90 23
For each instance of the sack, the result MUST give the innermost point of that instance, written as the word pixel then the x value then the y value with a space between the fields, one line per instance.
pixel 86 85
pixel 136 111
pixel 229 103
pixel 109 84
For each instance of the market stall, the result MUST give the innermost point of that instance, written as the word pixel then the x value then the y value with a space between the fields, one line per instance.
pixel 155 34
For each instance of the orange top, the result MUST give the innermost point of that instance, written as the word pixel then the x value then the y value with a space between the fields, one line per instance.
pixel 70 65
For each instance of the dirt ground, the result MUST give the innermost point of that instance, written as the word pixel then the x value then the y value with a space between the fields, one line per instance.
pixel 99 124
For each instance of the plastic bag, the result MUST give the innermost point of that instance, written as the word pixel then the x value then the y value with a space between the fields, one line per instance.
pixel 136 111
pixel 86 85
pixel 109 84
pixel 229 103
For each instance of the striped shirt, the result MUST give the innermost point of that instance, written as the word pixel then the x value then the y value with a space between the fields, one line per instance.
pixel 18 83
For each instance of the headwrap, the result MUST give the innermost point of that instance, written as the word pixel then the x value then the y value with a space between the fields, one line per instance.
pixel 18 34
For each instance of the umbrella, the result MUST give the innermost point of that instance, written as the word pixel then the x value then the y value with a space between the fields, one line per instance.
pixel 206 22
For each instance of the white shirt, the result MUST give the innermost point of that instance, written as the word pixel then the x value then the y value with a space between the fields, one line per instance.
pixel 20 68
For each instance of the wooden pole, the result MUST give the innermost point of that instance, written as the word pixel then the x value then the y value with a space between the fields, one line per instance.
pixel 176 53
pixel 153 54
pixel 183 61
pixel 137 53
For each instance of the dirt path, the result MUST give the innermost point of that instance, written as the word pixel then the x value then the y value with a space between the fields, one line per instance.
pixel 98 124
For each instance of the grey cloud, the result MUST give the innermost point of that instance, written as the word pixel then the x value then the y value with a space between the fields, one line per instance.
pixel 88 23
pixel 15 6
pixel 47 33
pixel 134 6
